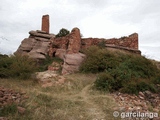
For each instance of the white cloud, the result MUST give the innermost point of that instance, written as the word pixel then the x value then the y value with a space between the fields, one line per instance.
pixel 105 18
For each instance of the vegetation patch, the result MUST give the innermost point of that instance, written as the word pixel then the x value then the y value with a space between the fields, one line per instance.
pixel 63 32
pixel 48 61
pixel 120 71
pixel 16 66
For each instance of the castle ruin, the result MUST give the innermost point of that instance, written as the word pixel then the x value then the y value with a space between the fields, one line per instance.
pixel 41 43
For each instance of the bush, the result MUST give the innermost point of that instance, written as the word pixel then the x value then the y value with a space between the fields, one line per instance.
pixel 104 82
pixel 157 79
pixel 98 60
pixel 120 71
pixel 17 66
pixel 63 32
pixel 135 86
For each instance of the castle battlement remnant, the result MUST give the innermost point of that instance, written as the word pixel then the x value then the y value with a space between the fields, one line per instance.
pixel 45 23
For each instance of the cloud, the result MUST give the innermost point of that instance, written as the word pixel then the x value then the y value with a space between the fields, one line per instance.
pixel 104 18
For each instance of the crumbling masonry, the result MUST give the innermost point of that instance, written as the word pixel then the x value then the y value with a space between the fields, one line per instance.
pixel 41 43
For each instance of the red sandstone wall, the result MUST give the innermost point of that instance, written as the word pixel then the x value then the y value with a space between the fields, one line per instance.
pixel 70 44
pixel 128 42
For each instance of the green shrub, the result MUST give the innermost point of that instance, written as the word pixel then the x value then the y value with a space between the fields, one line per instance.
pixel 102 44
pixel 120 71
pixel 17 66
pixel 63 32
pixel 157 79
pixel 98 60
pixel 104 82
pixel 135 86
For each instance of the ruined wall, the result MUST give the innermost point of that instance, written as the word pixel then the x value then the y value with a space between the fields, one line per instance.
pixel 72 43
pixel 128 42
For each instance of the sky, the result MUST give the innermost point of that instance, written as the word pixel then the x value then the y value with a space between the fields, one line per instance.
pixel 94 18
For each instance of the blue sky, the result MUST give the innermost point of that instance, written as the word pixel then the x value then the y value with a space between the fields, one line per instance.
pixel 95 18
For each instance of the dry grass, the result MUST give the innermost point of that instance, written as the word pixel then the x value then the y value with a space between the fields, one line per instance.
pixel 75 100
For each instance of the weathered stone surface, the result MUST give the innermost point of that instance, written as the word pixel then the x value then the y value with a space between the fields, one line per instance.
pixel 45 23
pixel 49 78
pixel 45 77
pixel 27 44
pixel 72 62
pixel 33 48
pixel 42 39
pixel 128 42
pixel 36 46
pixel 34 33
pixel 41 47
pixel 123 48
pixel 60 53
pixel 40 31
pixel 74 41
pixel 36 55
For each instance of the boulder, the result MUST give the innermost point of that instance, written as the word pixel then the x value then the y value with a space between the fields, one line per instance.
pixel 72 62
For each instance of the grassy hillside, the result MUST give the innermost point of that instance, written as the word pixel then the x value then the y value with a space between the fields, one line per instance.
pixel 84 95
pixel 75 100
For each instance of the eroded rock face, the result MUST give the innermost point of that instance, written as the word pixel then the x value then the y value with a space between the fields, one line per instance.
pixel 72 62
pixel 60 53
pixel 36 46
pixel 74 41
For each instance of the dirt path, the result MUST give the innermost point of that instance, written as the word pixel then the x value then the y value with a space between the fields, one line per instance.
pixel 93 109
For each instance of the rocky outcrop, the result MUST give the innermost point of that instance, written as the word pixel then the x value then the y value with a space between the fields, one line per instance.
pixel 72 62
pixel 36 46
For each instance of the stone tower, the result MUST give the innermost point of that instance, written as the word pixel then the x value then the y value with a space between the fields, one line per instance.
pixel 45 23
